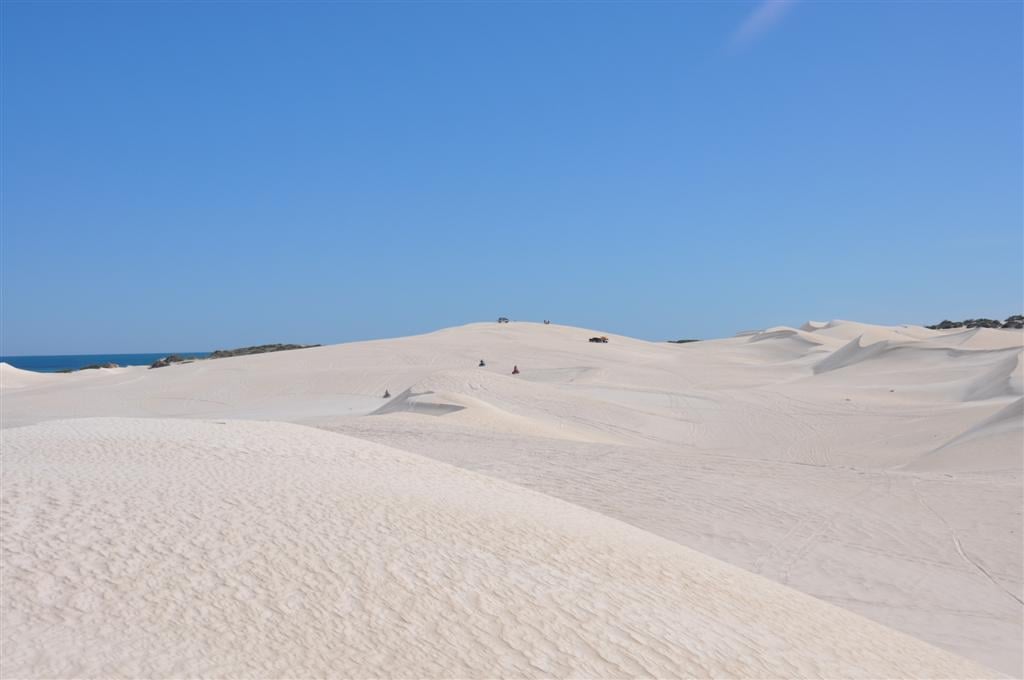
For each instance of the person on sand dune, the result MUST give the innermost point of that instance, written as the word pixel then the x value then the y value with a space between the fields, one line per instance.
pixel 515 370
pixel 387 395
pixel 482 364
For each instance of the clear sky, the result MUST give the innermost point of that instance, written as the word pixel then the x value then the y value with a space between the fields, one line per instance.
pixel 186 176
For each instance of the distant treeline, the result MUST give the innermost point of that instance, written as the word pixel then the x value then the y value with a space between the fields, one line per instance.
pixel 255 349
pixel 1015 321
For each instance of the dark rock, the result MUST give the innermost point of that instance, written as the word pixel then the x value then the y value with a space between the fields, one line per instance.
pixel 109 364
pixel 167 361
pixel 685 340
pixel 224 353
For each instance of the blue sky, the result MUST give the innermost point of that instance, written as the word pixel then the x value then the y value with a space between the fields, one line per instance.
pixel 185 176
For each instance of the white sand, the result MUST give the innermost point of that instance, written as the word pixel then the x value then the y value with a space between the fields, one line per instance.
pixel 878 469
pixel 146 548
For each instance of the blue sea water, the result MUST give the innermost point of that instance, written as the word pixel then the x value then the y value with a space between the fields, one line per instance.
pixel 64 362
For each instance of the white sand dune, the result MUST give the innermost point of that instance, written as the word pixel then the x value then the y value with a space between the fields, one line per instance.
pixel 12 378
pixel 887 484
pixel 780 332
pixel 856 350
pixel 1005 378
pixel 978 338
pixel 848 330
pixel 158 548
pixel 991 445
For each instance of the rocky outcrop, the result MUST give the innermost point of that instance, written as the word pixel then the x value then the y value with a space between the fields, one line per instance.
pixel 225 353
pixel 168 360
pixel 109 364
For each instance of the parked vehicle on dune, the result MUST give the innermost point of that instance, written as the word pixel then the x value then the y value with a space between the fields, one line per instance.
pixel 601 338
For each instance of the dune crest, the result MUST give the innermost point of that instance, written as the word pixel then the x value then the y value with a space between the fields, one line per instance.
pixel 15 378
pixel 856 350
pixel 991 445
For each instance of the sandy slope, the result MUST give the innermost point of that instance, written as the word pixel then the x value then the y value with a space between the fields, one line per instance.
pixel 876 468
pixel 13 378
pixel 238 549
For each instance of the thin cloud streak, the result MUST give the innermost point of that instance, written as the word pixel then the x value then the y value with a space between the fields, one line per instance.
pixel 760 21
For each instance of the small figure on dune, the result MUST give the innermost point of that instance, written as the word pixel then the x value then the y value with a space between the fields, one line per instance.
pixel 482 364
pixel 546 322
pixel 515 370
pixel 387 395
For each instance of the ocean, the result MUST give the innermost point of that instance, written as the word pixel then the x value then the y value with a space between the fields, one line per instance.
pixel 65 362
